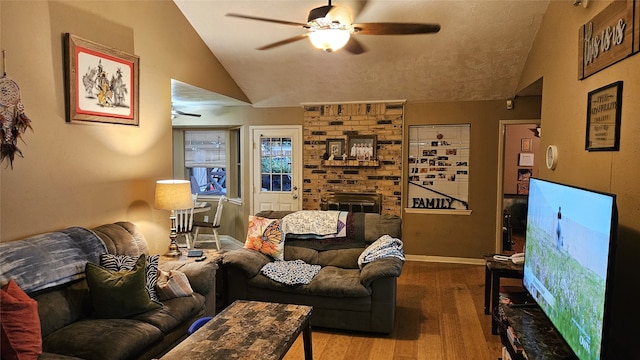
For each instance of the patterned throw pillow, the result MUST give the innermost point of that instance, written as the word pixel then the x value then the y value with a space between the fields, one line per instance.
pixel 173 284
pixel 118 294
pixel 126 262
pixel 265 235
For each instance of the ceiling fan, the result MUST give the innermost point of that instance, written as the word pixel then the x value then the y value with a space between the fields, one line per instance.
pixel 330 28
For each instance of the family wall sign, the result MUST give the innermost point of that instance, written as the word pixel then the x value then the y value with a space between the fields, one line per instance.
pixel 609 37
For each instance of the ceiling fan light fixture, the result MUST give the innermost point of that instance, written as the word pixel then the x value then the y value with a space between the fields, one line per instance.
pixel 329 39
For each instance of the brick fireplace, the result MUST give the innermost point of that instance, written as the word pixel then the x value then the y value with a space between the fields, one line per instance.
pixel 380 177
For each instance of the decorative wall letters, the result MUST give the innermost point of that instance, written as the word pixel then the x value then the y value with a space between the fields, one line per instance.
pixel 439 167
pixel 607 38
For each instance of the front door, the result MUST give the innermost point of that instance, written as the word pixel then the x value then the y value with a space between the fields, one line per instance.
pixel 277 168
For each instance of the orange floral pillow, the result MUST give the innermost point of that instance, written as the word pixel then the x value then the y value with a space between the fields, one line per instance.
pixel 265 235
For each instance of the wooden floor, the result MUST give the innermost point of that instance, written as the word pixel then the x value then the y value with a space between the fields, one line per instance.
pixel 439 315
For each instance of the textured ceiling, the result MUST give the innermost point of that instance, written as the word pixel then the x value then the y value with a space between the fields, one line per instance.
pixel 478 54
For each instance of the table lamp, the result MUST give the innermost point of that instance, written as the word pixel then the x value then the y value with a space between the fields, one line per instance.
pixel 173 195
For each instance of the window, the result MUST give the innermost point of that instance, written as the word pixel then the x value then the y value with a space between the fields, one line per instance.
pixel 208 155
pixel 275 158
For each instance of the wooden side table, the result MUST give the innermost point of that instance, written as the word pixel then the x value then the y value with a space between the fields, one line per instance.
pixel 494 271
pixel 211 254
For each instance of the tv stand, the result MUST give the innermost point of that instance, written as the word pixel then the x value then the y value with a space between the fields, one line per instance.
pixel 538 338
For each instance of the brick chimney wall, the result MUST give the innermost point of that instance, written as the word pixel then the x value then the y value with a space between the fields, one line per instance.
pixel 323 178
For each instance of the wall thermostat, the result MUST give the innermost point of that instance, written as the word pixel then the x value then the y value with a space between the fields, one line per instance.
pixel 552 157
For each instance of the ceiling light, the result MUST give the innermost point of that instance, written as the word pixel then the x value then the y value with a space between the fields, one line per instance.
pixel 329 39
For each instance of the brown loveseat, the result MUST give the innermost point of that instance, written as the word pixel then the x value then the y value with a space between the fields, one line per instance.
pixel 343 296
pixel 50 268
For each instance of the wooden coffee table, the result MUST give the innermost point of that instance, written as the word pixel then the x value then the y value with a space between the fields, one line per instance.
pixel 248 330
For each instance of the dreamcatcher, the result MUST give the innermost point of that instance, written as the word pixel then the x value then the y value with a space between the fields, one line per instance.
pixel 12 117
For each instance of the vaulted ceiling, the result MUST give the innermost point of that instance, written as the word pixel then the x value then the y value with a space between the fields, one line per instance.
pixel 478 54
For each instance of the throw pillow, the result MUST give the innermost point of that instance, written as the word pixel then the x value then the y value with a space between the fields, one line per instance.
pixel 173 284
pixel 20 336
pixel 119 294
pixel 265 235
pixel 125 262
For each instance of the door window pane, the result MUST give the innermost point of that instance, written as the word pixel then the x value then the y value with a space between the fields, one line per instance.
pixel 275 160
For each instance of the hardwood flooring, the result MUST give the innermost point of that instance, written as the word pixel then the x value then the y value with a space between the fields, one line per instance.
pixel 439 316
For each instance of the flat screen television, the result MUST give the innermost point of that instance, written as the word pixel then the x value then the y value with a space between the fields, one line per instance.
pixel 569 247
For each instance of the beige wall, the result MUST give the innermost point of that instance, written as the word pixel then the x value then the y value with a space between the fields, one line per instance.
pixel 564 105
pixel 464 236
pixel 554 57
pixel 91 174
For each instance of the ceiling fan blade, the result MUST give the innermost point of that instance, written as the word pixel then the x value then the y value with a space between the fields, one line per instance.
pixel 395 28
pixel 319 12
pixel 283 22
pixel 357 6
pixel 187 114
pixel 284 42
pixel 354 46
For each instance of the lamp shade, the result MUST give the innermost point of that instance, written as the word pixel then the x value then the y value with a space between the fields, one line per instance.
pixel 329 39
pixel 173 195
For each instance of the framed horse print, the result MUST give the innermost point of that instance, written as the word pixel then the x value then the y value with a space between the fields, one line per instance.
pixel 102 83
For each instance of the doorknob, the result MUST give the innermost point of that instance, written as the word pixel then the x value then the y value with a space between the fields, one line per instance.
pixel 295 196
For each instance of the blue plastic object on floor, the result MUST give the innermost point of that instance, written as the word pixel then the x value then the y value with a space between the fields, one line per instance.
pixel 198 324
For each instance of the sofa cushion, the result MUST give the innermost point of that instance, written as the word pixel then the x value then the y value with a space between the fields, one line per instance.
pixel 118 339
pixel 19 324
pixel 376 225
pixel 345 258
pixel 248 260
pixel 126 262
pixel 330 281
pixel 338 282
pixel 265 235
pixel 121 293
pixel 62 306
pixel 174 312
pixel 122 238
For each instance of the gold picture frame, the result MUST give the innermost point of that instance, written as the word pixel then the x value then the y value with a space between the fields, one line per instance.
pixel 102 83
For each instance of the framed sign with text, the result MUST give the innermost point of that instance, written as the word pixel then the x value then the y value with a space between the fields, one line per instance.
pixel 604 107
pixel 439 167
pixel 606 39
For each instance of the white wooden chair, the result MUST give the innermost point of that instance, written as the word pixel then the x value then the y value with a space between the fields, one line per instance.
pixel 214 225
pixel 184 222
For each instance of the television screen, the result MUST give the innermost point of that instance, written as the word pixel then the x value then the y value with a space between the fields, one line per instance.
pixel 569 242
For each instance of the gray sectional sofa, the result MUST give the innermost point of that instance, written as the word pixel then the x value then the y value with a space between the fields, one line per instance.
pixel 343 296
pixel 50 268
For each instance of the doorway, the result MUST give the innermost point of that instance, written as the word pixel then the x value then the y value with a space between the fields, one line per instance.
pixel 518 144
pixel 276 170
